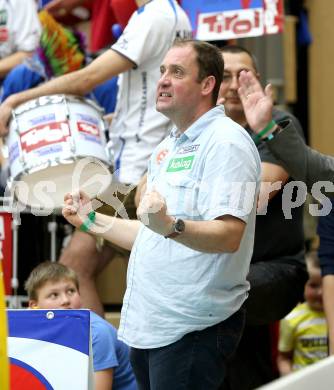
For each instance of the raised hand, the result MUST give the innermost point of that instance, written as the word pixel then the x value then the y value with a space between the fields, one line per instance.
pixel 76 207
pixel 257 102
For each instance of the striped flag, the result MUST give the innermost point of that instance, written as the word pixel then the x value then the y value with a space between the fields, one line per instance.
pixel 4 377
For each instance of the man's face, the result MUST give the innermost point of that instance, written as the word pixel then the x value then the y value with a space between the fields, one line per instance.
pixel 178 91
pixel 234 63
pixel 62 294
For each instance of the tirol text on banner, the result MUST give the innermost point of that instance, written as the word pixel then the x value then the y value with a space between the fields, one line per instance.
pixel 230 19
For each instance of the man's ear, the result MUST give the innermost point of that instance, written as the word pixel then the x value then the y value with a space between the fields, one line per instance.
pixel 33 304
pixel 208 85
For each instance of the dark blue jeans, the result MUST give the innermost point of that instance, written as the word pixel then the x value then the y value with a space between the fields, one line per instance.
pixel 195 362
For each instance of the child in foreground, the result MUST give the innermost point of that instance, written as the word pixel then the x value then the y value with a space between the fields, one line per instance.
pixel 303 332
pixel 52 285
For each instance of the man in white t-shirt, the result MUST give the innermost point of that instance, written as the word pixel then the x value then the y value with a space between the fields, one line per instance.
pixel 19 32
pixel 137 127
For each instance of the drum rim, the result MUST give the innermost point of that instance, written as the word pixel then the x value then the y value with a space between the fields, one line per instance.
pixel 65 97
pixel 69 160
pixel 31 207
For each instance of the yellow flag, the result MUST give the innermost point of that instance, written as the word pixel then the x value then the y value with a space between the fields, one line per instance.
pixel 4 369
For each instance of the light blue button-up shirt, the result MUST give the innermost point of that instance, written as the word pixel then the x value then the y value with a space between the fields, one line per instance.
pixel 211 170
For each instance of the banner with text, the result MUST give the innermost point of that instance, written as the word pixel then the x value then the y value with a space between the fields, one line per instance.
pixel 217 20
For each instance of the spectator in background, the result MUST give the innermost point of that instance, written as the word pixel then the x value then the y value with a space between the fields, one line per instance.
pixel 303 332
pixel 104 14
pixel 326 257
pixel 304 164
pixel 19 32
pixel 61 51
pixel 277 272
pixel 51 285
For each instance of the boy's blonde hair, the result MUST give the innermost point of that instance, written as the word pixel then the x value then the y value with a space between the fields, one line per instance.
pixel 312 261
pixel 48 272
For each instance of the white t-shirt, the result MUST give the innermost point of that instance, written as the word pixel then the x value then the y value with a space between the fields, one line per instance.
pixel 19 26
pixel 137 127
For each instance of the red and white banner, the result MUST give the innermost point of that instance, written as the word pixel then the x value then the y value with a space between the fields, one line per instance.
pixel 223 20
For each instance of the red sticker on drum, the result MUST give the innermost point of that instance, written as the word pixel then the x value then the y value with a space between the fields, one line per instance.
pixel 3 34
pixel 44 135
pixel 88 128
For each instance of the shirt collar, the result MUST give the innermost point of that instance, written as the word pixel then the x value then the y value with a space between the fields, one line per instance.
pixel 196 128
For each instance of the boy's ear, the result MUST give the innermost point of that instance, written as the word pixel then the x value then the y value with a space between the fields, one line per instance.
pixel 33 304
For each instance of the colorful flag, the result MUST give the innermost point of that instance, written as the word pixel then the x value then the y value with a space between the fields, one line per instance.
pixel 50 350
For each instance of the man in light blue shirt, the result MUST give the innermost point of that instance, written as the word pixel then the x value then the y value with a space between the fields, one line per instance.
pixel 182 312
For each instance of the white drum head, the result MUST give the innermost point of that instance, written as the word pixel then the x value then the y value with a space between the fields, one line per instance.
pixel 44 189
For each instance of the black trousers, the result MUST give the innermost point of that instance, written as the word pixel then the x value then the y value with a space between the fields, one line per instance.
pixel 276 288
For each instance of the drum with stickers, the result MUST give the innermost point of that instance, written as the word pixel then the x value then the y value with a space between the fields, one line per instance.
pixel 57 144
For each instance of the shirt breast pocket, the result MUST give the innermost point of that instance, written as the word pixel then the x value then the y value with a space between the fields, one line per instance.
pixel 182 195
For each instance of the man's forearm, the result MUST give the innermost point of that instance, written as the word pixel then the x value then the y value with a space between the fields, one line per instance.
pixel 71 83
pixel 9 62
pixel 121 232
pixel 301 162
pixel 218 236
pixel 284 363
pixel 80 82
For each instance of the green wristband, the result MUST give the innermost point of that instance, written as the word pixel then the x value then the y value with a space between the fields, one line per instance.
pixel 270 125
pixel 88 222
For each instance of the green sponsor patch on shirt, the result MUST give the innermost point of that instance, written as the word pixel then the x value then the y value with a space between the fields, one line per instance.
pixel 180 164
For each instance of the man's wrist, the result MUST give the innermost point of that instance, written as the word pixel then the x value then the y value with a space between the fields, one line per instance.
pixel 178 227
pixel 88 222
pixel 262 134
pixel 11 101
pixel 169 228
pixel 273 133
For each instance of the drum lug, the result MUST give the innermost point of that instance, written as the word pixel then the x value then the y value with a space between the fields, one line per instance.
pixel 110 155
pixel 67 110
pixel 22 160
pixel 72 146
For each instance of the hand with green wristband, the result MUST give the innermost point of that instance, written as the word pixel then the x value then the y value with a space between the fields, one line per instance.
pixel 78 210
pixel 257 104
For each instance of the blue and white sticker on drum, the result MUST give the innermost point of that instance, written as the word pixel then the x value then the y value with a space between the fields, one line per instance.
pixel 51 117
pixel 88 128
pixel 14 152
